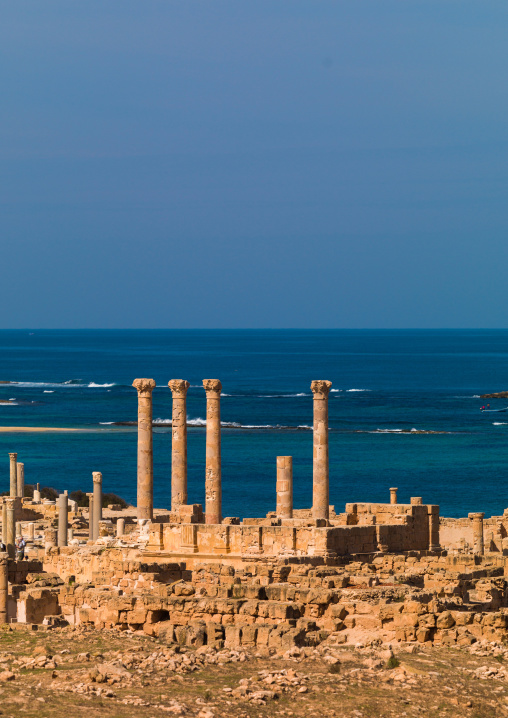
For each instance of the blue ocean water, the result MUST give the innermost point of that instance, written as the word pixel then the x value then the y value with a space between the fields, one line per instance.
pixel 383 382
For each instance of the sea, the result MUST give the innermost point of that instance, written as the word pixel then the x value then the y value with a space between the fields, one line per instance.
pixel 404 411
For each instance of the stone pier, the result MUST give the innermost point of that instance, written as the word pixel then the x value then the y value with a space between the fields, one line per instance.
pixel 11 527
pixel 20 477
pixel 477 519
pixel 4 521
pixel 90 516
pixel 4 587
pixel 434 544
pixel 284 487
pixel 393 495
pixel 321 488
pixel 145 447
pixel 213 480
pixel 31 531
pixel 13 475
pixel 97 503
pixel 63 519
pixel 179 443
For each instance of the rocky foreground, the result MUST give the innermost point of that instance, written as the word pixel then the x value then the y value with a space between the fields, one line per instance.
pixel 78 671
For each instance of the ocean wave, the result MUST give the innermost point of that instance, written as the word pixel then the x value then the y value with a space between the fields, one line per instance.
pixel 48 391
pixel 9 403
pixel 106 423
pixel 358 389
pixel 200 422
pixel 499 423
pixel 71 383
pixel 335 390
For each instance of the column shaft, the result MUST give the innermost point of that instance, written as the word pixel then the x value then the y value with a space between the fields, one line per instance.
pixel 13 476
pixel 477 518
pixel 321 488
pixel 179 444
pixel 434 528
pixel 20 476
pixel 284 487
pixel 393 495
pixel 90 517
pixel 213 480
pixel 4 521
pixel 97 503
pixel 11 527
pixel 145 447
pixel 4 586
pixel 63 519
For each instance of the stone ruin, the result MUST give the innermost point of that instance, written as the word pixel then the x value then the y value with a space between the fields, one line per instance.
pixel 297 577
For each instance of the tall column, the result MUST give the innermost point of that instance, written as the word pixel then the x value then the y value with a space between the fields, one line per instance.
pixel 13 476
pixel 90 517
pixel 179 443
pixel 31 532
pixel 63 521
pixel 4 521
pixel 284 487
pixel 393 495
pixel 213 480
pixel 11 527
pixel 97 503
pixel 321 487
pixel 477 519
pixel 433 512
pixel 120 527
pixel 4 586
pixel 20 477
pixel 145 447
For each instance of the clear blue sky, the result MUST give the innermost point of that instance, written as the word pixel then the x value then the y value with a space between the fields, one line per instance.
pixel 254 164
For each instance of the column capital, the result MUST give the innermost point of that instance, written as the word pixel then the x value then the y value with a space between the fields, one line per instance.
pixel 320 388
pixel 90 495
pixel 97 477
pixel 13 456
pixel 213 388
pixel 178 388
pixel 476 515
pixel 144 386
pixel 11 503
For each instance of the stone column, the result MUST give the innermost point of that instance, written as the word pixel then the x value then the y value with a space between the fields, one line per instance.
pixel 4 586
pixel 13 476
pixel 433 528
pixel 321 487
pixel 393 495
pixel 179 443
pixel 70 535
pixel 37 493
pixel 284 487
pixel 19 529
pixel 90 517
pixel 477 519
pixel 63 521
pixel 416 500
pixel 120 527
pixel 11 527
pixel 97 503
pixel 20 476
pixel 31 532
pixel 145 447
pixel 213 480
pixel 4 521
pixel 50 538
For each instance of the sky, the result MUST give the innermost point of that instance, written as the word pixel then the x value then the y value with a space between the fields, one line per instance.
pixel 253 164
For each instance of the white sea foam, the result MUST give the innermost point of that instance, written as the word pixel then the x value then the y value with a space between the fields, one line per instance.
pixel 71 383
pixel 106 423
pixel 334 390
pixel 358 389
pixel 9 403
pixel 499 423
pixel 48 391
pixel 93 385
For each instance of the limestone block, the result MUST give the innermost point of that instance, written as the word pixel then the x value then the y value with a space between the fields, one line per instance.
pixel 215 635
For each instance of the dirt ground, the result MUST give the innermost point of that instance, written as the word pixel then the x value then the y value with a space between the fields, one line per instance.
pixel 76 672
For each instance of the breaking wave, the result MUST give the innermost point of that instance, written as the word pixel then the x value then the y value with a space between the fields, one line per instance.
pixel 71 383
pixel 499 423
pixel 358 389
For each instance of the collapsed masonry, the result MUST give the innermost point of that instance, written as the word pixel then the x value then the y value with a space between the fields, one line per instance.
pixel 376 572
